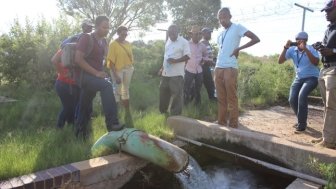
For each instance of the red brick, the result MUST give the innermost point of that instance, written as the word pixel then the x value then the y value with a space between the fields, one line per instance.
pixel 75 174
pixel 28 181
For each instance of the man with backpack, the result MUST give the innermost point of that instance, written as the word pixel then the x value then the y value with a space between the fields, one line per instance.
pixel 87 27
pixel 91 78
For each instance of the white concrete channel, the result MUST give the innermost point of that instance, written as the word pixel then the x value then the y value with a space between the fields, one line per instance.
pixel 292 157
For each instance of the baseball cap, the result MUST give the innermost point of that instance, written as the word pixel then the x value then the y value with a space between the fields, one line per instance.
pixel 206 30
pixel 87 22
pixel 301 35
pixel 330 4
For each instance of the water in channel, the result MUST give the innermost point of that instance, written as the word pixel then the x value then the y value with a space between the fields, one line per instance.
pixel 217 177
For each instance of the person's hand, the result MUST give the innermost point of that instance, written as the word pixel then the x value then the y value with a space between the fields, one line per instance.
pixel 160 72
pixel 326 52
pixel 235 53
pixel 287 45
pixel 101 74
pixel 118 79
pixel 302 45
pixel 171 60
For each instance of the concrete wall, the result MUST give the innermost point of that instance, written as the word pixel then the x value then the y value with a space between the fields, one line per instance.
pixel 293 155
pixel 111 171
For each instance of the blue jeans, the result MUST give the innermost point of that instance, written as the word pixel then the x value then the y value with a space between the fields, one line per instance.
pixel 68 95
pixel 298 97
pixel 90 85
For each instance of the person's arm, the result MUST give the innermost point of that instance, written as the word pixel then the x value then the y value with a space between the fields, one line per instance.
pixel 314 60
pixel 253 40
pixel 205 56
pixel 178 60
pixel 80 59
pixel 56 60
pixel 114 72
pixel 282 57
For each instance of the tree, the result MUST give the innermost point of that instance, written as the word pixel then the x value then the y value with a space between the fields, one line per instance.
pixel 134 14
pixel 26 50
pixel 194 12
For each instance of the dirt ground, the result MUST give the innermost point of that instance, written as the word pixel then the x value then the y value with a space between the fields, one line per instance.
pixel 278 121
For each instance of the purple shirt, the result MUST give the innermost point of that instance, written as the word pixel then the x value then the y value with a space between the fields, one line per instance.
pixel 199 53
pixel 96 56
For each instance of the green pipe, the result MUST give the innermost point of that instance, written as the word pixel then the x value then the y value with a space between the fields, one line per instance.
pixel 142 145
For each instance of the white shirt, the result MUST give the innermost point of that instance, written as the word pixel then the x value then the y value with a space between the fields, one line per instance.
pixel 175 49
pixel 228 40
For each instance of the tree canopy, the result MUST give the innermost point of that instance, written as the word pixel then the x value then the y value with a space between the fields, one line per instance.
pixel 134 14
pixel 194 12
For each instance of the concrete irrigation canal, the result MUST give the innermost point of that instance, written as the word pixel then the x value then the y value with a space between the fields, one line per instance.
pixel 133 150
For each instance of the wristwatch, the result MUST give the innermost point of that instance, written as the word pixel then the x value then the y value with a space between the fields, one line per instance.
pixel 334 51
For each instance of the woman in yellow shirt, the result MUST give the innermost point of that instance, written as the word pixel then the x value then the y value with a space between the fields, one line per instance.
pixel 120 62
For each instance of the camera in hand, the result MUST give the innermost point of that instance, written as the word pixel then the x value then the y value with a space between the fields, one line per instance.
pixel 318 45
pixel 293 44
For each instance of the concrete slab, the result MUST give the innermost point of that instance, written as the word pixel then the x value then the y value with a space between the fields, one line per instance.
pixel 103 172
pixel 303 184
pixel 292 155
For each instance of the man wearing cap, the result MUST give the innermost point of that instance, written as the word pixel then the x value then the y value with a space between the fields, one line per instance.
pixel 193 70
pixel 207 76
pixel 305 59
pixel 226 72
pixel 87 26
pixel 327 78
pixel 177 52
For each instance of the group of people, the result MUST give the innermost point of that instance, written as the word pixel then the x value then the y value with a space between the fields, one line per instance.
pixel 77 86
pixel 179 63
pixel 186 66
pixel 308 76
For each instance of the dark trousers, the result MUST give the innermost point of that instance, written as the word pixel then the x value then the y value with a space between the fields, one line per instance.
pixel 69 95
pixel 90 85
pixel 171 88
pixel 208 82
pixel 192 87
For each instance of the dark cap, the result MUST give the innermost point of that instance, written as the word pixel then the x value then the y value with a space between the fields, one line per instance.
pixel 330 4
pixel 87 22
pixel 206 30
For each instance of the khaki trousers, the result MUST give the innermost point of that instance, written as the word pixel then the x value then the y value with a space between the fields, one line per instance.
pixel 327 83
pixel 122 89
pixel 227 97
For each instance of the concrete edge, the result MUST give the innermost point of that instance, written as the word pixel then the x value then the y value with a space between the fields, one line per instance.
pixel 99 173
pixel 293 155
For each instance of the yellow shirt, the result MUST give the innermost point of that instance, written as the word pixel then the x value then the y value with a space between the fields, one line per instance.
pixel 118 56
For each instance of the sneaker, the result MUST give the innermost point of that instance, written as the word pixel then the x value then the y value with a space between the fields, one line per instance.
pixel 324 144
pixel 316 140
pixel 299 130
pixel 116 127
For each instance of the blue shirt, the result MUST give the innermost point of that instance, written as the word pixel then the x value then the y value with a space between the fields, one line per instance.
pixel 228 40
pixel 303 67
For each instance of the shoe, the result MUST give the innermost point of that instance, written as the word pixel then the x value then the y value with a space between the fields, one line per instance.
pixel 299 130
pixel 316 140
pixel 116 127
pixel 324 144
pixel 295 125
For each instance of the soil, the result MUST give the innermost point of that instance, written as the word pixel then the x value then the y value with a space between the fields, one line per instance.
pixel 279 121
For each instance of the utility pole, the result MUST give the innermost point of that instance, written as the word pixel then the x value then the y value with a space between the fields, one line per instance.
pixel 304 14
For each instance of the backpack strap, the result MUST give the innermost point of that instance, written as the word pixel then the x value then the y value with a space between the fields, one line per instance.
pixel 128 54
